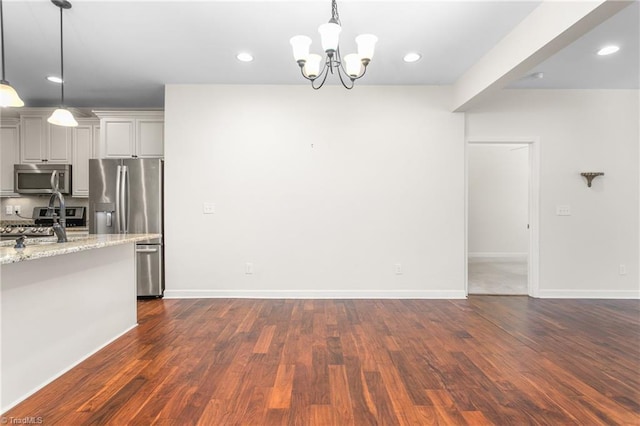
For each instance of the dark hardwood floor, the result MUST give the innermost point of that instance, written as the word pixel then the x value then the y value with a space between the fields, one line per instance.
pixel 485 360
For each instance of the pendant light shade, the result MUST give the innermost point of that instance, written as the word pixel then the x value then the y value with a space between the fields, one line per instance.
pixel 62 116
pixel 8 95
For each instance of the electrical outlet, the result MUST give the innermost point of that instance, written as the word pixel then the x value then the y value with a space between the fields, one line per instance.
pixel 208 208
pixel 563 210
pixel 17 209
pixel 8 210
pixel 248 268
pixel 398 268
pixel 622 269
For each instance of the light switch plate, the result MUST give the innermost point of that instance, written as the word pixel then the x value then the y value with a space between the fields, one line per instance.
pixel 563 210
pixel 208 208
pixel 8 210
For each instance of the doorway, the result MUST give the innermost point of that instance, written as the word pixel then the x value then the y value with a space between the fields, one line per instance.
pixel 501 206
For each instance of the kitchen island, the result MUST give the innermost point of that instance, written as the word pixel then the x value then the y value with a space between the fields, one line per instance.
pixel 60 303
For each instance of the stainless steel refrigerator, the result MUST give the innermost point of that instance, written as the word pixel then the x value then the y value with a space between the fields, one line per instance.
pixel 126 197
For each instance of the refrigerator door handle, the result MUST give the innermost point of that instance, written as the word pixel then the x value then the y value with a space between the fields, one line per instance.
pixel 119 199
pixel 125 199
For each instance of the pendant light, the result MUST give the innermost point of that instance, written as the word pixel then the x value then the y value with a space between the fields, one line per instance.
pixel 62 116
pixel 8 95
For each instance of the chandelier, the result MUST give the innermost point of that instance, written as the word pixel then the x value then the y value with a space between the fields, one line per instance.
pixel 350 68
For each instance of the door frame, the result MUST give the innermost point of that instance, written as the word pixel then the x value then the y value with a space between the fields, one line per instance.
pixel 533 285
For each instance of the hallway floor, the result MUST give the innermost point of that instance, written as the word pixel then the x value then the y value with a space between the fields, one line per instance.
pixel 498 276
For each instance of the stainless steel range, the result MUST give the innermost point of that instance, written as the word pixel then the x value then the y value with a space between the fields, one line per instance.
pixel 42 223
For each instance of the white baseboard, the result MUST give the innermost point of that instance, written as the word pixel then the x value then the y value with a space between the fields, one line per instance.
pixel 588 294
pixel 498 254
pixel 314 294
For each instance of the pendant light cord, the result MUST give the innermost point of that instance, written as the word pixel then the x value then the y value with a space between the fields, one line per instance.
pixel 2 35
pixel 61 61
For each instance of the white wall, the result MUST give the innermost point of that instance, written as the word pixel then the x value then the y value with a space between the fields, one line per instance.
pixel 324 192
pixel 498 177
pixel 579 131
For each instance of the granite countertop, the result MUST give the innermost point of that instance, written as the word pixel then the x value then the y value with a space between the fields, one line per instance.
pixel 37 248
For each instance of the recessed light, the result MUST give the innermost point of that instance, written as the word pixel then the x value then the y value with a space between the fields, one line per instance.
pixel 244 57
pixel 608 50
pixel 412 57
pixel 54 79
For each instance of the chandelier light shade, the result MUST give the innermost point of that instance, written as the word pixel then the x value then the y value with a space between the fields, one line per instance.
pixel 62 116
pixel 349 69
pixel 300 46
pixel 8 95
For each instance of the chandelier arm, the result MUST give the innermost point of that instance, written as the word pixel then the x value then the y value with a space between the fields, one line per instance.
pixel 337 62
pixel 361 75
pixel 323 74
pixel 304 75
pixel 342 79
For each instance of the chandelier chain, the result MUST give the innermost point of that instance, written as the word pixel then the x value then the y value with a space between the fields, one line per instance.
pixel 334 11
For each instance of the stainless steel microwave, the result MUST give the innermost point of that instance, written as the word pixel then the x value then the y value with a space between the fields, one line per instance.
pixel 41 178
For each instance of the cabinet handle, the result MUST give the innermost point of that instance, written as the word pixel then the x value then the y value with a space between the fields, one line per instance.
pixel 155 250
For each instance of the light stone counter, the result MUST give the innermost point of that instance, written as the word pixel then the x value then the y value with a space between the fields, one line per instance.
pixel 37 248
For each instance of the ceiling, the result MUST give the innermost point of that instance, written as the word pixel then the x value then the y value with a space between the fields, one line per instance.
pixel 122 53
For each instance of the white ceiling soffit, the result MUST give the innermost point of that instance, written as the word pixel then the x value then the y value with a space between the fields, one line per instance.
pixel 547 30
pixel 122 53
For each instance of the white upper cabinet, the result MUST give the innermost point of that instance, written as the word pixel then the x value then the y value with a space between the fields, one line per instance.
pixel 84 148
pixel 42 142
pixel 118 137
pixel 150 138
pixel 135 134
pixel 9 154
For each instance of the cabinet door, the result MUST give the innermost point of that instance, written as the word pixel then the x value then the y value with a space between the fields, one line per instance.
pixel 34 139
pixel 95 153
pixel 117 138
pixel 9 155
pixel 59 144
pixel 82 151
pixel 150 138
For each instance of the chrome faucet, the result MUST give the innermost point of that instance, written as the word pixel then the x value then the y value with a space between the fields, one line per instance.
pixel 59 225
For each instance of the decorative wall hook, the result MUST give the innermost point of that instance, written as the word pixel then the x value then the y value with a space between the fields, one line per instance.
pixel 590 176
